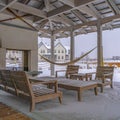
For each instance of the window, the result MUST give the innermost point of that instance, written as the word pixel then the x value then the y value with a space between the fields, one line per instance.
pixel 58 51
pixel 58 57
pixel 48 51
pixel 62 57
pixel 62 51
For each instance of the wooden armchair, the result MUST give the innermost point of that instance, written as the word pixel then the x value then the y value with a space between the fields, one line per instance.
pixel 71 69
pixel 104 76
pixel 7 82
pixel 35 91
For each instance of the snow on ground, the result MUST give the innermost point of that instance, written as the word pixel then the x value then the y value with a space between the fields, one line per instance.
pixel 45 68
pixel 104 106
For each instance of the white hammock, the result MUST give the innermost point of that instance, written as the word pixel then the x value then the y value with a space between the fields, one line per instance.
pixel 67 63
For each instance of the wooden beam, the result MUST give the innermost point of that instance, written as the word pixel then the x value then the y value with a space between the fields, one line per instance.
pixel 108 25
pixel 3 3
pixel 95 11
pixel 66 8
pixel 79 15
pixel 65 18
pixel 21 19
pixel 28 9
pixel 114 6
pixel 42 24
pixel 87 10
pixel 90 23
pixel 13 18
pixel 82 2
pixel 17 26
pixel 44 30
pixel 8 5
pixel 60 19
pixel 94 28
pixel 48 5
pixel 68 2
pixel 58 11
pixel 82 30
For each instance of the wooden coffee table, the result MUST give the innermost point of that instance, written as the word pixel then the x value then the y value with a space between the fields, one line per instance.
pixel 81 76
pixel 69 84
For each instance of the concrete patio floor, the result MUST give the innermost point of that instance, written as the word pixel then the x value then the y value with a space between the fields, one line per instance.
pixel 105 106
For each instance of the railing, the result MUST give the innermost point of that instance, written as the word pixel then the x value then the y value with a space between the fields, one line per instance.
pixel 15 68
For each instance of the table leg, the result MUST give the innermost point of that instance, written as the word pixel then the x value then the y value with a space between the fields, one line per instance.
pixel 79 95
pixel 95 90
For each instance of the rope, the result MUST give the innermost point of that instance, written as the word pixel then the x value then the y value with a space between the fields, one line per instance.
pixel 67 63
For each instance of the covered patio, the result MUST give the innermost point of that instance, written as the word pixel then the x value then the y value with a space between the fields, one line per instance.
pixel 104 106
pixel 22 21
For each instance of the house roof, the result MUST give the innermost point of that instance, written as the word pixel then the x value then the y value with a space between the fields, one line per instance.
pixel 59 43
pixel 67 48
pixel 61 16
pixel 44 44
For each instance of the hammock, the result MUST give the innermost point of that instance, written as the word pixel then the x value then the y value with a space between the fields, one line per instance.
pixel 67 63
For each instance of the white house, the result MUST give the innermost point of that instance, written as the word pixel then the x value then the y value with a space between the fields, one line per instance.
pixel 61 52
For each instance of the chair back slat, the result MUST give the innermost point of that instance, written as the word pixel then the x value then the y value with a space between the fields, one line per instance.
pixel 6 79
pixel 21 81
pixel 71 69
pixel 102 70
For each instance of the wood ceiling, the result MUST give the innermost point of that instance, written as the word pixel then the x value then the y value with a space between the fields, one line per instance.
pixel 59 17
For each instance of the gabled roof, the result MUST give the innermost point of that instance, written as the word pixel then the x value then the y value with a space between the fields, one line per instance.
pixel 59 43
pixel 48 46
pixel 61 16
pixel 43 44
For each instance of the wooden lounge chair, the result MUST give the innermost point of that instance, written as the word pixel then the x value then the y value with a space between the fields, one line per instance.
pixel 35 91
pixel 104 76
pixel 71 69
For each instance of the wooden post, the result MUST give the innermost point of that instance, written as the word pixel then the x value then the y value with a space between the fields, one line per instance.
pixel 52 54
pixel 99 44
pixel 25 60
pixel 72 50
pixel 2 58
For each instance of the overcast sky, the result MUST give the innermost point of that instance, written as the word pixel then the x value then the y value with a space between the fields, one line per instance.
pixel 85 42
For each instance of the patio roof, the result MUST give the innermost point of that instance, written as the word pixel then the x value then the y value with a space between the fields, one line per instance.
pixel 60 16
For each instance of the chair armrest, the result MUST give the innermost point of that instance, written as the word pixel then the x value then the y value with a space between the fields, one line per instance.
pixel 56 73
pixel 107 75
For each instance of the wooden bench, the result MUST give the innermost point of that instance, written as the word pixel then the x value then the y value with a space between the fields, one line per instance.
pixel 104 76
pixel 71 69
pixel 36 92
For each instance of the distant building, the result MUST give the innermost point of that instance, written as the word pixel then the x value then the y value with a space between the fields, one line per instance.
pixel 44 50
pixel 116 57
pixel 14 55
pixel 61 52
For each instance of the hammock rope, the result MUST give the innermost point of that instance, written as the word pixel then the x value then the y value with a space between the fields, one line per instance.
pixel 67 63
